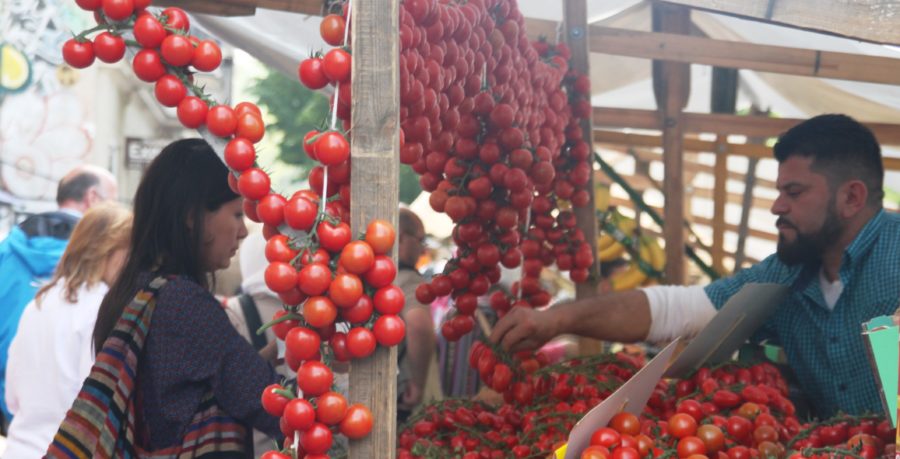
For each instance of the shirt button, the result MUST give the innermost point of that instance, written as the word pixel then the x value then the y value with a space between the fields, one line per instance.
pixel 842 387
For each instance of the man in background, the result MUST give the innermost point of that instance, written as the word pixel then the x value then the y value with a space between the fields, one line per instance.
pixel 32 249
pixel 417 351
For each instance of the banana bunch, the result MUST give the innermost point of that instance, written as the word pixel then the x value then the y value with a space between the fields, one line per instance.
pixel 608 248
pixel 652 254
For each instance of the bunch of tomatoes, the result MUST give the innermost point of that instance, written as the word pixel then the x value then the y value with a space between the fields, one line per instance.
pixel 728 412
pixel 488 127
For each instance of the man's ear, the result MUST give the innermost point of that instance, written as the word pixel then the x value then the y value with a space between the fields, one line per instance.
pixel 852 197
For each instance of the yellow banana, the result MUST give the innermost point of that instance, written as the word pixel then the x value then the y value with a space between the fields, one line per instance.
pixel 657 259
pixel 615 249
pixel 604 241
pixel 601 197
pixel 634 275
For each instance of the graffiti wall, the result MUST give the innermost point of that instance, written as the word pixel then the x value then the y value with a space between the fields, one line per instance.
pixel 44 126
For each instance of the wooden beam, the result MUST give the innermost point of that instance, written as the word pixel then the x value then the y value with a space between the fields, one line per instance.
pixel 868 20
pixel 672 88
pixel 642 183
pixel 246 7
pixel 749 126
pixel 375 172
pixel 741 55
pixel 689 166
pixel 574 32
pixel 720 196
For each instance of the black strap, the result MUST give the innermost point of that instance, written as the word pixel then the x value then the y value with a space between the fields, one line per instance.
pixel 251 317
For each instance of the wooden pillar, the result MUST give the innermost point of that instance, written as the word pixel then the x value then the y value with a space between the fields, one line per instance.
pixel 575 33
pixel 375 145
pixel 671 85
pixel 723 99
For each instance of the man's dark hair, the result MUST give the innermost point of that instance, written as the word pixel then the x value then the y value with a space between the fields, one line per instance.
pixel 842 149
pixel 76 187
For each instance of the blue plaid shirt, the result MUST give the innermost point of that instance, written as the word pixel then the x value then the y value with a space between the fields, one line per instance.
pixel 825 348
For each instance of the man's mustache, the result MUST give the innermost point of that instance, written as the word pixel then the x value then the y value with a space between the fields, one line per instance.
pixel 781 221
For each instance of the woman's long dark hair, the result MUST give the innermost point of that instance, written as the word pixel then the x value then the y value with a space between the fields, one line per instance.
pixel 184 182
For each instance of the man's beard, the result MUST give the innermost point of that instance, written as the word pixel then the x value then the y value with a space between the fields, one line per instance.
pixel 807 249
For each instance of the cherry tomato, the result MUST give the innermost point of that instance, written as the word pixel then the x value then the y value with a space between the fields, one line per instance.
pixel 712 437
pixel 314 378
pixel 177 50
pixel 345 290
pixel 169 90
pixel 300 213
pixel 251 127
pixel 332 29
pixel 595 452
pixel 89 5
pixel 314 279
pixel 390 330
pixel 690 445
pixel 333 238
pixel 336 65
pixel 360 342
pixel 332 148
pixel 360 312
pixel 357 423
pixel 253 183
pixel 626 423
pixel 357 257
pixel 389 300
pixel 299 414
pixel 192 114
pixel 176 18
pixel 220 120
pixel 282 328
pixel 319 311
pixel 148 31
pixel 108 47
pixel 207 56
pixel 118 10
pixel 280 276
pixel 380 236
pixel 78 54
pixel 274 403
pixel 605 436
pixel 270 209
pixel 311 73
pixel 682 425
pixel 331 407
pixel 382 272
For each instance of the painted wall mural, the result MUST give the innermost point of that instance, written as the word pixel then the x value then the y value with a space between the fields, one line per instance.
pixel 44 127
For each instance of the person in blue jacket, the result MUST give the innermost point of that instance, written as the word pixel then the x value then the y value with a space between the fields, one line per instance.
pixel 32 249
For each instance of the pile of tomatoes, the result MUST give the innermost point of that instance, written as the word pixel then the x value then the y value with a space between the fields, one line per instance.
pixel 489 128
pixel 728 412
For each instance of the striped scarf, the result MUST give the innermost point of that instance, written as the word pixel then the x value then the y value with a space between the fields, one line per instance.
pixel 102 420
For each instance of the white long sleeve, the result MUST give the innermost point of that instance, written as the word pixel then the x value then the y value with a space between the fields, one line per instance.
pixel 677 311
pixel 49 358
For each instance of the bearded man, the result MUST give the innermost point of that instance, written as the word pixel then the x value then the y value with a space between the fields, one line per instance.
pixel 838 251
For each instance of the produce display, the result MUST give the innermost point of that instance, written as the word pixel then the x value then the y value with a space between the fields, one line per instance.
pixel 731 411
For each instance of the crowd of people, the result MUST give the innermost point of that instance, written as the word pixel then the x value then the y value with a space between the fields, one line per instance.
pixel 109 318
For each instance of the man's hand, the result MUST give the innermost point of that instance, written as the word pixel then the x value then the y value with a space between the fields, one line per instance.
pixel 524 329
pixel 411 397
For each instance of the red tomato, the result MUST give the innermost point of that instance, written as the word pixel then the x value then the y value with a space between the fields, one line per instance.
pixel 278 249
pixel 282 328
pixel 314 378
pixel 360 342
pixel 176 18
pixel 595 452
pixel 682 425
pixel 169 90
pixel 108 47
pixel 338 344
pixel 270 209
pixel 253 183
pixel 382 272
pixel 300 213
pixel 389 300
pixel 336 65
pixel 345 290
pixel 625 453
pixel 332 148
pixel 220 120
pixel 360 312
pixel 314 279
pixel 712 437
pixel 89 5
pixel 299 414
pixel 357 423
pixel 148 31
pixel 332 29
pixel 274 403
pixel 390 330
pixel 303 342
pixel 319 311
pixel 333 238
pixel 331 407
pixel 626 423
pixel 690 445
pixel 192 114
pixel 177 50
pixel 280 276
pixel 118 10
pixel 311 73
pixel 78 54
pixel 207 56
pixel 251 127
pixel 739 427
pixel 605 436
pixel 380 236
pixel 357 257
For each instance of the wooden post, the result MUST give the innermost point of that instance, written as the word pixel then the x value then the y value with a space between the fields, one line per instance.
pixel 723 99
pixel 575 34
pixel 375 145
pixel 671 85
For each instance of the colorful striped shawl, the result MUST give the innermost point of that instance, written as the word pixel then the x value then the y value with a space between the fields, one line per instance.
pixel 102 420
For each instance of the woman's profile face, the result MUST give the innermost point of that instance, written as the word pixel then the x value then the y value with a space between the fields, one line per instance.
pixel 223 230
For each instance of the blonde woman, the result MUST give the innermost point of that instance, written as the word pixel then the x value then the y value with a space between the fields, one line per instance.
pixel 52 351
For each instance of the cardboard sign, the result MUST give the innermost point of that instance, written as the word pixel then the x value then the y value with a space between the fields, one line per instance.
pixel 631 397
pixel 742 315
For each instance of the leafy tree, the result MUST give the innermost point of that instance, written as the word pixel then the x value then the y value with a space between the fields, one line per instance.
pixel 296 111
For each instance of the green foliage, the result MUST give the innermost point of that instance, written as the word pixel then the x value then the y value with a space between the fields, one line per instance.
pixel 297 110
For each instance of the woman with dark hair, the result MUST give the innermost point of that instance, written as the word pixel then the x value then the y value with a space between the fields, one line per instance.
pixel 171 370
